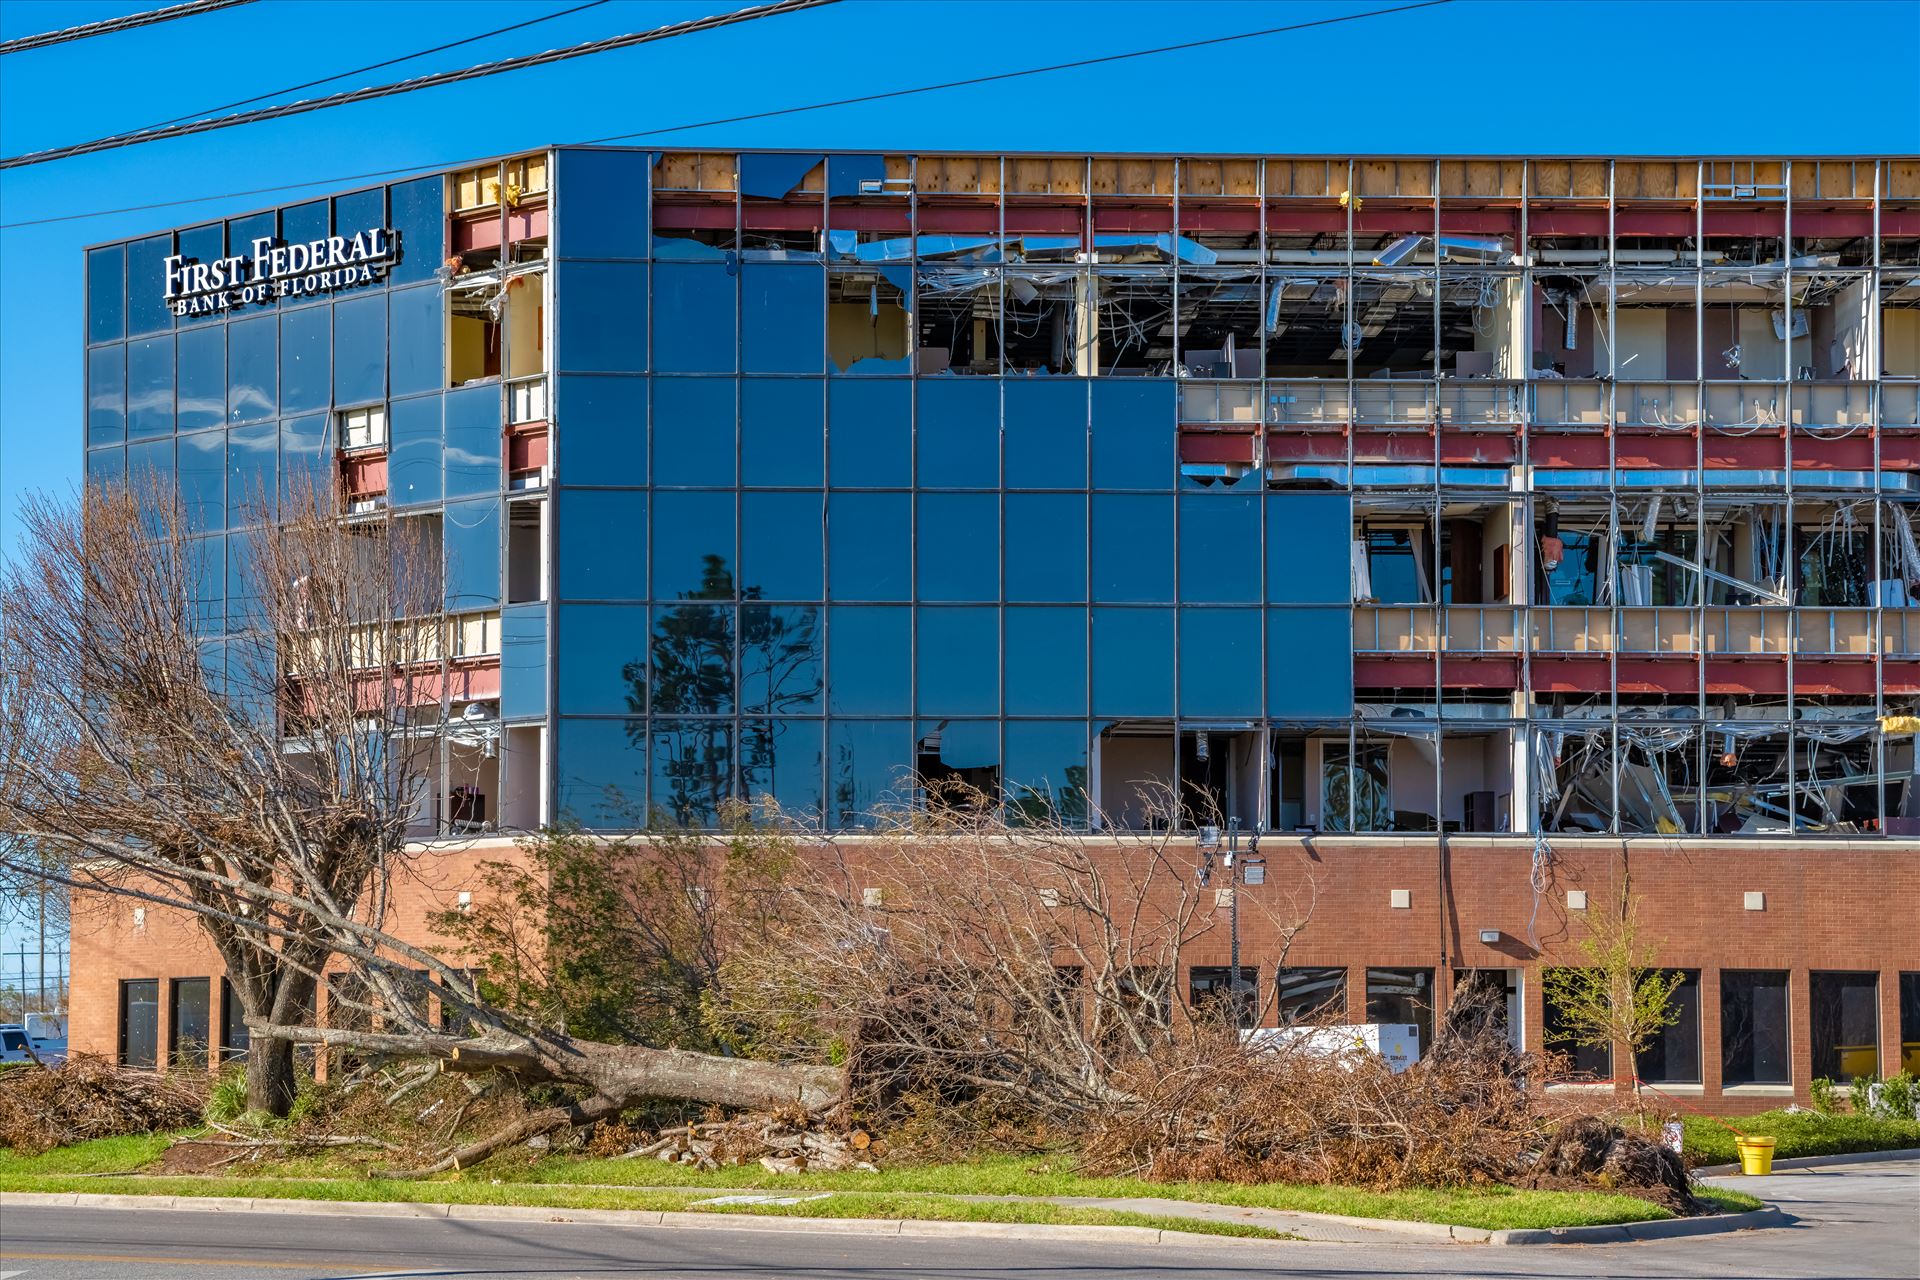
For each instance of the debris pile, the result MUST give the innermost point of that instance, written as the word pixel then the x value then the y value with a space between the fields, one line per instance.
pixel 1587 1151
pixel 88 1097
pixel 781 1144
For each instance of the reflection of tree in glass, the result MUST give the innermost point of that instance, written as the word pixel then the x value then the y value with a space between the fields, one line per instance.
pixel 693 674
pixel 1067 805
pixel 780 674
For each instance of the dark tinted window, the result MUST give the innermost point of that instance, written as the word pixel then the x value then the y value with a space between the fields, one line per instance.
pixel 252 361
pixel 473 441
pixel 304 344
pixel 1309 559
pixel 693 546
pixel 1046 662
pixel 869 542
pixel 957 434
pixel 1584 1061
pixel 600 550
pixel 781 440
pixel 693 307
pixel 605 442
pixel 1133 662
pixel 606 659
pixel 870 434
pixel 523 661
pixel 1220 548
pixel 693 659
pixel 600 321
pixel 780 551
pixel 1046 429
pixel 782 318
pixel 1845 1010
pixel 418 219
pixel 867 660
pixel 604 214
pixel 692 771
pixel 106 293
pixel 1046 771
pixel 1133 434
pixel 693 431
pixel 150 387
pixel 958 546
pixel 107 395
pixel 780 659
pixel 202 376
pixel 958 661
pixel 1673 1056
pixel 416 317
pixel 1210 987
pixel 1220 662
pixel 1753 1027
pixel 360 350
pixel 1309 663
pixel 869 765
pixel 140 1023
pixel 190 1028
pixel 1046 555
pixel 781 759
pixel 601 770
pixel 1132 548
pixel 413 456
pixel 470 533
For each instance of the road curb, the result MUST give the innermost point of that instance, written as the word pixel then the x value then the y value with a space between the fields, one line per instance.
pixel 1816 1162
pixel 1302 1229
pixel 1632 1232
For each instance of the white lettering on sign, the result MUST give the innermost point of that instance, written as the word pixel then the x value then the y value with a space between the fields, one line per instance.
pixel 276 269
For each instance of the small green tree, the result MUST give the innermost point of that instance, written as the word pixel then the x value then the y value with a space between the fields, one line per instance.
pixel 1615 996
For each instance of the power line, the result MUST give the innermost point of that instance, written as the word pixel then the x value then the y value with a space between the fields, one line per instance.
pixel 441 166
pixel 372 66
pixel 499 67
pixel 108 26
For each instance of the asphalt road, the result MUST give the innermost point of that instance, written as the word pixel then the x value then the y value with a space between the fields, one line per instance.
pixel 1861 1222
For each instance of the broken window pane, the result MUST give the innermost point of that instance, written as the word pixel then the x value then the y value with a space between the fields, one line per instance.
pixel 868 323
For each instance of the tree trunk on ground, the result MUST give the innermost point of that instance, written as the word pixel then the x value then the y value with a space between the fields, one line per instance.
pixel 270 1077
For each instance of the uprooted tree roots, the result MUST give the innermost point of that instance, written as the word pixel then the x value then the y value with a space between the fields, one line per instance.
pixel 1588 1151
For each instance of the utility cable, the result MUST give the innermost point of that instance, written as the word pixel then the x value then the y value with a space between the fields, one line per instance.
pixel 372 66
pixel 434 80
pixel 442 166
pixel 107 26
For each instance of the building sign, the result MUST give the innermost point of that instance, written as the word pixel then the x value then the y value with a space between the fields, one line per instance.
pixel 276 269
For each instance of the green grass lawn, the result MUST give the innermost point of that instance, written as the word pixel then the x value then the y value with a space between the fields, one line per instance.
pixel 1798 1133
pixel 907 1191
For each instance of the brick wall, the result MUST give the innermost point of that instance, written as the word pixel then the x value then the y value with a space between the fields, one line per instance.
pixel 1848 905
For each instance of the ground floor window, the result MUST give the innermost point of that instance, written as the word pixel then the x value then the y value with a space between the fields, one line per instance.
pixel 140 1023
pixel 1844 1012
pixel 1589 1062
pixel 235 1036
pixel 1672 1056
pixel 189 1023
pixel 1910 1023
pixel 1309 994
pixel 1207 985
pixel 1402 996
pixel 1753 1027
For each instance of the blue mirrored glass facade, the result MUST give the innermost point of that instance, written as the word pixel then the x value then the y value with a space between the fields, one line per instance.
pixel 1462 513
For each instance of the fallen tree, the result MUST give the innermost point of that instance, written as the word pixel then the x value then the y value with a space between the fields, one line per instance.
pixel 263 770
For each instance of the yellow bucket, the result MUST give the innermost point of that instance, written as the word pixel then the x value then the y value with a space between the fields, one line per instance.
pixel 1756 1155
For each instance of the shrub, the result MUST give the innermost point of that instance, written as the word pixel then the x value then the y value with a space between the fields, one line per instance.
pixel 1822 1091
pixel 227 1096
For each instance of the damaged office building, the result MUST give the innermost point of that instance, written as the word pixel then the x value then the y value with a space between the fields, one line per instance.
pixel 1483 534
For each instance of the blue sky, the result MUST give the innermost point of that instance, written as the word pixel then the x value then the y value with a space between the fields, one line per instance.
pixel 1471 76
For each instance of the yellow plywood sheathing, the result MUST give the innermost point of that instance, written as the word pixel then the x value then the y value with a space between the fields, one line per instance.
pixel 1481 179
pixel 1219 177
pixel 696 171
pixel 899 168
pixel 1413 178
pixel 1832 180
pixel 1653 180
pixel 815 183
pixel 1551 179
pixel 1306 177
pixel 1062 176
pixel 1902 179
pixel 960 175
